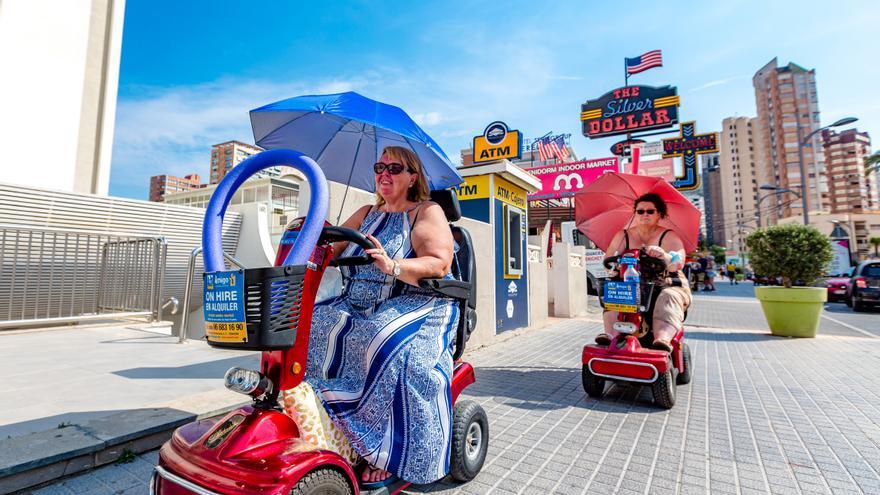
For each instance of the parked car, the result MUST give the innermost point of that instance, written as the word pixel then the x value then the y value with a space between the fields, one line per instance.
pixel 838 285
pixel 864 286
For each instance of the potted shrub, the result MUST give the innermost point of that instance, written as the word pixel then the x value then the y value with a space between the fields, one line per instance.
pixel 797 254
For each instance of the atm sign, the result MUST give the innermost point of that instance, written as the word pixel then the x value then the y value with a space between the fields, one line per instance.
pixel 497 143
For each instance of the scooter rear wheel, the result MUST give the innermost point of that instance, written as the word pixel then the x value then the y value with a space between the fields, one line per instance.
pixel 322 482
pixel 593 385
pixel 470 440
pixel 663 388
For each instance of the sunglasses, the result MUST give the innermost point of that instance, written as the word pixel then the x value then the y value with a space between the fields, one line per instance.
pixel 393 168
pixel 649 211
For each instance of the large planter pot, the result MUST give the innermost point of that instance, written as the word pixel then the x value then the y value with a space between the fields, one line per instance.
pixel 739 277
pixel 792 312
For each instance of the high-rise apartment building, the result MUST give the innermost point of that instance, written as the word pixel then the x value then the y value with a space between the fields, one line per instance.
pixel 711 176
pixel 160 185
pixel 850 191
pixel 738 175
pixel 226 155
pixel 788 110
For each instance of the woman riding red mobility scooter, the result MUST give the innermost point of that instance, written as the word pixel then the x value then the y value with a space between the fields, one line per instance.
pixel 645 226
pixel 628 356
pixel 259 448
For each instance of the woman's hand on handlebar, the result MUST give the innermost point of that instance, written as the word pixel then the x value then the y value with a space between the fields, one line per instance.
pixel 381 259
pixel 655 252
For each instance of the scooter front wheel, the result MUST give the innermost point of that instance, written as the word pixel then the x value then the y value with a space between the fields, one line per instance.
pixel 322 482
pixel 685 376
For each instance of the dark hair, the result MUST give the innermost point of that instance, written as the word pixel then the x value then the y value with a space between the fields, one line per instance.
pixel 654 199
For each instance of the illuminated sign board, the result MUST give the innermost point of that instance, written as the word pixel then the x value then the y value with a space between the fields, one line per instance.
pixel 622 148
pixel 630 109
pixel 688 145
pixel 497 143
pixel 565 179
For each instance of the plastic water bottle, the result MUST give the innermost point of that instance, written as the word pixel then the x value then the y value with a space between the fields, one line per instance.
pixel 631 274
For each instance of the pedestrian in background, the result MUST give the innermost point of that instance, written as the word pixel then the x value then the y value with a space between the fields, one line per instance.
pixel 711 273
pixel 731 274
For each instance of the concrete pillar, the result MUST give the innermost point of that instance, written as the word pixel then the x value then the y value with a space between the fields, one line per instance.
pixel 568 281
pixel 538 304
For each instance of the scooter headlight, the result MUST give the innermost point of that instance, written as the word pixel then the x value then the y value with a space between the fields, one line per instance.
pixel 248 382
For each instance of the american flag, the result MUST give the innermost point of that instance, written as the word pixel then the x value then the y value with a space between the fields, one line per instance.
pixel 550 146
pixel 644 62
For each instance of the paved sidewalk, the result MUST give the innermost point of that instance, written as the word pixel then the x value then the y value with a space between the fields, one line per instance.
pixel 762 415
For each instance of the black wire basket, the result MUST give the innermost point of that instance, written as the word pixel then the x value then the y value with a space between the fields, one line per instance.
pixel 273 298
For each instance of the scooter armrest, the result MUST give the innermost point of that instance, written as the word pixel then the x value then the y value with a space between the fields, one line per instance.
pixel 448 288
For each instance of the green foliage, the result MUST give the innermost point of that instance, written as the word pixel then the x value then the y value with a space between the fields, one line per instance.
pixel 793 252
pixel 872 163
pixel 126 457
pixel 875 241
pixel 719 254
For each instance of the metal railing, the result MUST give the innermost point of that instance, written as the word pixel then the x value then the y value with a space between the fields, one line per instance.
pixel 50 275
pixel 187 293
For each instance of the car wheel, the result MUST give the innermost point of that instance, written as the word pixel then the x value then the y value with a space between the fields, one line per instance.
pixel 857 305
pixel 470 440
pixel 322 482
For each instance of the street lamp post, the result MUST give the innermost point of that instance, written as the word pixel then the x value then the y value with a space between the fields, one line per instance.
pixel 801 143
pixel 776 191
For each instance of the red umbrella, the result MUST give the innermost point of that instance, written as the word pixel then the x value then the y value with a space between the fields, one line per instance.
pixel 605 207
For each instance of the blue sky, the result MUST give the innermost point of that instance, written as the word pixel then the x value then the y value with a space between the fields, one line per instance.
pixel 191 70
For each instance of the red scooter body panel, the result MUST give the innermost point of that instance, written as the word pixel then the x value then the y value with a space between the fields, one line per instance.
pixel 626 359
pixel 462 376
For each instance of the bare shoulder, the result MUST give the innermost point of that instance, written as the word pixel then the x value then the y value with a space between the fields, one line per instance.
pixel 356 218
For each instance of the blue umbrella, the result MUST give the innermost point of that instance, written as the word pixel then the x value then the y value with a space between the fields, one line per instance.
pixel 346 133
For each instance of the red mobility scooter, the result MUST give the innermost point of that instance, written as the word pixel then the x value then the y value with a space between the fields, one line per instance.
pixel 257 449
pixel 628 357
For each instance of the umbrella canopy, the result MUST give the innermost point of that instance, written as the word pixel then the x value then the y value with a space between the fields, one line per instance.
pixel 605 207
pixel 346 133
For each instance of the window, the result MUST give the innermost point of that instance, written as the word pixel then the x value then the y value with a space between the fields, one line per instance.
pixel 513 241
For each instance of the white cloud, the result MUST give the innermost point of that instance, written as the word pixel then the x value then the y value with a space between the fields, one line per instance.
pixel 719 82
pixel 428 118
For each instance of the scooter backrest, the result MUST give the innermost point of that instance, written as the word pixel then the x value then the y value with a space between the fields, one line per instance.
pixel 448 200
pixel 299 254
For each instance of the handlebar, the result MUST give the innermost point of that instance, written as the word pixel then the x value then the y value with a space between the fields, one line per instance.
pixel 337 234
pixel 212 240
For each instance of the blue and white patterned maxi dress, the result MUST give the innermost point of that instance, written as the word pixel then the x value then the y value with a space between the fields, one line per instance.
pixel 380 359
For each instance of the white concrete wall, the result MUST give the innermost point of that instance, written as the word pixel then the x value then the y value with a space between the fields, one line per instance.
pixel 60 63
pixel 568 281
pixel 255 248
pixel 482 238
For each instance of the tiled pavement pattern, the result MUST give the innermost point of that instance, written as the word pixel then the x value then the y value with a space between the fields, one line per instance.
pixel 762 415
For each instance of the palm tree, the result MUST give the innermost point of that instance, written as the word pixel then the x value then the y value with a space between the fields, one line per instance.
pixel 872 163
pixel 875 241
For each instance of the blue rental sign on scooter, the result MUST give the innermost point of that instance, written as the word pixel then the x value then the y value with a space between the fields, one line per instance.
pixel 224 307
pixel 621 296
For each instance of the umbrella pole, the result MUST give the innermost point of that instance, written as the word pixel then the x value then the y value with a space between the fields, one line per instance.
pixel 350 174
pixel 342 205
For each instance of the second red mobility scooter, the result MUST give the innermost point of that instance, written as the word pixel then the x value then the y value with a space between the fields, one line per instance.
pixel 257 449
pixel 628 358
